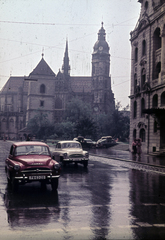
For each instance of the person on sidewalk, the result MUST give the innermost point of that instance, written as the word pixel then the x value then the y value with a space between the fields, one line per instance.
pixel 134 149
pixel 138 147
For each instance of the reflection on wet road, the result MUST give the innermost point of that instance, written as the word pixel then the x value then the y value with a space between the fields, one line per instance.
pixel 127 155
pixel 105 201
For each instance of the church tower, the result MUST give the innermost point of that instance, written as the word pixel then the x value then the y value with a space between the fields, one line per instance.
pixel 66 67
pixel 103 98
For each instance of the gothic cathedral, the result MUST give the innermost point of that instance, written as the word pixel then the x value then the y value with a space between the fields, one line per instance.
pixel 45 91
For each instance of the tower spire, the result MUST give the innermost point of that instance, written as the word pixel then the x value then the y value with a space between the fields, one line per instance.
pixel 66 67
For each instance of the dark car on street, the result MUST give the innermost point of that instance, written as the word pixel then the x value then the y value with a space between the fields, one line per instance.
pixel 106 142
pixel 31 161
pixel 85 142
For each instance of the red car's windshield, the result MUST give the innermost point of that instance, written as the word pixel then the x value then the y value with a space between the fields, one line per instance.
pixel 31 149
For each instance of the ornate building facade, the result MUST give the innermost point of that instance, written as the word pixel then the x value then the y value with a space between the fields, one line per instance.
pixel 147 119
pixel 49 93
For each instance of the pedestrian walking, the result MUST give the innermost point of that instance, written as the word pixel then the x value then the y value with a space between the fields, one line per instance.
pixel 134 149
pixel 138 146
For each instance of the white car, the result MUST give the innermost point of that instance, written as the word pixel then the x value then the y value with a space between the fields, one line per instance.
pixel 70 152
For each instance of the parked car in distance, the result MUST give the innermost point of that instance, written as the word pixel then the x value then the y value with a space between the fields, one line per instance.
pixel 85 142
pixel 31 161
pixel 105 142
pixel 89 143
pixel 70 151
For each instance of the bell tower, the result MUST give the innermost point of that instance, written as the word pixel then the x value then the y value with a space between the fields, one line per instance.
pixel 103 98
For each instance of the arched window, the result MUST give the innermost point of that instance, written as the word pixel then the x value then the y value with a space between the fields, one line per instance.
pixel 142 134
pixel 58 103
pixel 134 133
pixel 3 125
pixel 93 69
pixel 163 99
pixel 135 82
pixel 142 106
pixel 135 110
pixel 42 88
pixel 155 101
pixel 136 54
pixel 156 53
pixel 143 77
pixel 157 39
pixel 155 126
pixel 158 69
pixel 146 5
pixel 11 124
pixel 143 48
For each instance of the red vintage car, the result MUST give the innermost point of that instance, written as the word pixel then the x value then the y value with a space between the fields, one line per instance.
pixel 31 161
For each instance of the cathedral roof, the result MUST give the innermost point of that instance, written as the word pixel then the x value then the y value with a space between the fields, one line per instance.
pixel 13 84
pixel 81 84
pixel 60 75
pixel 43 69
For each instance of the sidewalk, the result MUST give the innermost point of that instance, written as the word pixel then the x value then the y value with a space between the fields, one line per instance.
pixel 121 152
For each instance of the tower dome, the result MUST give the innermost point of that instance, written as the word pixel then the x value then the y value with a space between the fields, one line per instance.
pixel 101 46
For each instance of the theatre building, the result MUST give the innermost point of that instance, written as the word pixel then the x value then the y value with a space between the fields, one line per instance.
pixel 147 97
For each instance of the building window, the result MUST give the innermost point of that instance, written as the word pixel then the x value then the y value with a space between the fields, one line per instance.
pixel 41 103
pixel 135 110
pixel 143 77
pixel 42 88
pixel 93 69
pixel 58 103
pixel 158 69
pixel 157 39
pixel 155 101
pixel 155 126
pixel 142 134
pixel 156 53
pixel 136 54
pixel 134 133
pixel 142 106
pixel 143 48
pixel 135 83
pixel 163 99
pixel 11 124
pixel 146 5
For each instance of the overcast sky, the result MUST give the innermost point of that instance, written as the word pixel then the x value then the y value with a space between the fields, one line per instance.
pixel 29 28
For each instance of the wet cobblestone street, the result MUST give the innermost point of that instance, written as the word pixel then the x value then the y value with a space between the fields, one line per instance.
pixel 111 199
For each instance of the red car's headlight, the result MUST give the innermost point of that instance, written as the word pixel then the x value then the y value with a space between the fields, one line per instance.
pixel 16 167
pixel 56 166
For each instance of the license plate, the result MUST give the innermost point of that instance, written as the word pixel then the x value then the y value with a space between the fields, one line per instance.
pixel 36 177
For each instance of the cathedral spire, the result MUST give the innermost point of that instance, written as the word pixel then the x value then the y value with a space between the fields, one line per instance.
pixel 66 67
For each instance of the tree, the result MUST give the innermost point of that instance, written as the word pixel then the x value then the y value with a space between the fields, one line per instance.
pixel 86 127
pixel 115 124
pixel 80 114
pixel 40 126
pixel 120 123
pixel 76 109
pixel 65 130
